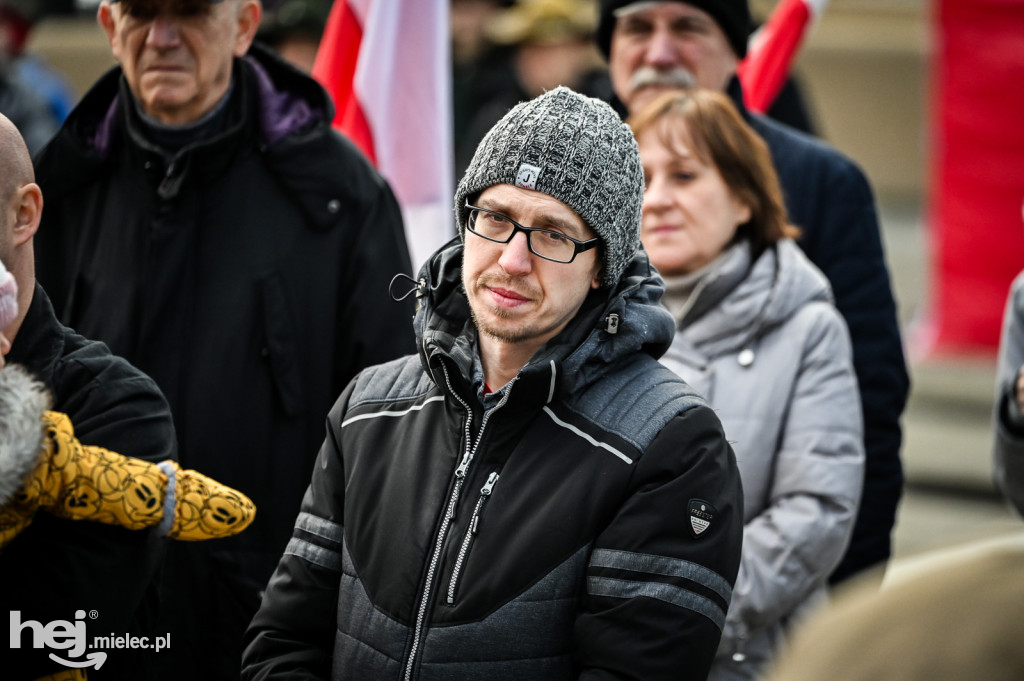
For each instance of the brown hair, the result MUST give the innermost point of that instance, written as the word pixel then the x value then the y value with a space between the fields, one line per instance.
pixel 719 136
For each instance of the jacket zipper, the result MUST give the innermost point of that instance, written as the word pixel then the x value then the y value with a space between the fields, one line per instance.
pixel 485 493
pixel 453 500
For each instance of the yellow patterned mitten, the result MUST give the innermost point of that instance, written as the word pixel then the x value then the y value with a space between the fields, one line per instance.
pixel 204 508
pixel 12 521
pixel 82 482
pixel 66 675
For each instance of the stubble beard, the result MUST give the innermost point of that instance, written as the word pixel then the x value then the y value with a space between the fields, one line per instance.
pixel 512 333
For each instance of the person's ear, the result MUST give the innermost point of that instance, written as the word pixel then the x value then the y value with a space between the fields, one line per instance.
pixel 249 14
pixel 742 212
pixel 105 18
pixel 28 204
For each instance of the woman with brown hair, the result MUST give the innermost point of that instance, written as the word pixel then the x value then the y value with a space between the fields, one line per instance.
pixel 758 335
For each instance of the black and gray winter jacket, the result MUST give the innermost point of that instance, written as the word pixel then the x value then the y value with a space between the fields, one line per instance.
pixel 587 525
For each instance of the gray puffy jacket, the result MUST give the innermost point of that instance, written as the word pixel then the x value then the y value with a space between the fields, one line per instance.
pixel 765 345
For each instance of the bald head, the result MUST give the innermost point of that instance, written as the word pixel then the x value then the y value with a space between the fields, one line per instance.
pixel 21 207
pixel 14 160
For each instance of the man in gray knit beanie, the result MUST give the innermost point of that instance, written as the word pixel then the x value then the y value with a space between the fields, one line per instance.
pixel 532 496
pixel 576 149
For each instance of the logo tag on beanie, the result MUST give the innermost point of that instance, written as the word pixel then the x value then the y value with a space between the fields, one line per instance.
pixel 527 176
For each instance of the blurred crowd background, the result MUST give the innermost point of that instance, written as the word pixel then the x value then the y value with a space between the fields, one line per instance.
pixel 863 84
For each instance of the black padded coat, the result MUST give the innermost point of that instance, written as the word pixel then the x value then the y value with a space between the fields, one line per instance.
pixel 585 525
pixel 248 275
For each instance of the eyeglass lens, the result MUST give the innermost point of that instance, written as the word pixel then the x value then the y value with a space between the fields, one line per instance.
pixel 545 243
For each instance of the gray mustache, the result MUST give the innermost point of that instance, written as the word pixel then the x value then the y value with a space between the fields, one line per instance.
pixel 648 76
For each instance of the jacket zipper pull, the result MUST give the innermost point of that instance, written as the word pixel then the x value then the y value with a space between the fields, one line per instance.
pixel 467 457
pixel 471 532
pixel 460 472
pixel 485 492
pixel 460 476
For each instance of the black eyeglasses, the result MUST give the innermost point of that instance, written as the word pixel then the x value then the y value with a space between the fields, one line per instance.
pixel 543 243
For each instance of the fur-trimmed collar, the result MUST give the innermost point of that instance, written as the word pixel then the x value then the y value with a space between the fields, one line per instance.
pixel 22 403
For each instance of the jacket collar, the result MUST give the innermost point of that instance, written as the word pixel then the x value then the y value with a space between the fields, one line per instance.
pixel 769 291
pixel 734 90
pixel 715 281
pixel 286 102
pixel 40 339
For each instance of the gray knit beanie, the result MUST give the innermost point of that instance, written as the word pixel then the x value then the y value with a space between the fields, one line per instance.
pixel 575 149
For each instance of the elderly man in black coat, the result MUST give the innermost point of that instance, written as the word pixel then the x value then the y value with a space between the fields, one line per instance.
pixel 208 224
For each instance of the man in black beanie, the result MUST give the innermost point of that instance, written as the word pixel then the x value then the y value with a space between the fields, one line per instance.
pixel 654 46
pixel 664 45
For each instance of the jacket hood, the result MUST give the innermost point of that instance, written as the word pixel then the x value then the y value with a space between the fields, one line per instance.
pixel 290 101
pixel 22 403
pixel 731 316
pixel 612 323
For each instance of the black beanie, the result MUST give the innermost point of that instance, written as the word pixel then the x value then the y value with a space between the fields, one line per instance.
pixel 733 16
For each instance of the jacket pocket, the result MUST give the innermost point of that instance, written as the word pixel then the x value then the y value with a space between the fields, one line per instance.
pixel 281 348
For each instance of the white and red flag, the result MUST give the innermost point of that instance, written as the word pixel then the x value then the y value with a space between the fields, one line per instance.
pixel 386 65
pixel 773 48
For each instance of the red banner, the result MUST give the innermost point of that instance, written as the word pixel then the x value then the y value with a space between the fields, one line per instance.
pixel 977 183
pixel 335 69
pixel 386 65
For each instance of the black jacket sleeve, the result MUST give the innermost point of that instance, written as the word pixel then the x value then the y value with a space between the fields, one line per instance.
pixel 658 585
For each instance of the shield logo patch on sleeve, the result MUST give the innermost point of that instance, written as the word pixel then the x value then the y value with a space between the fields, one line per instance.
pixel 702 514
